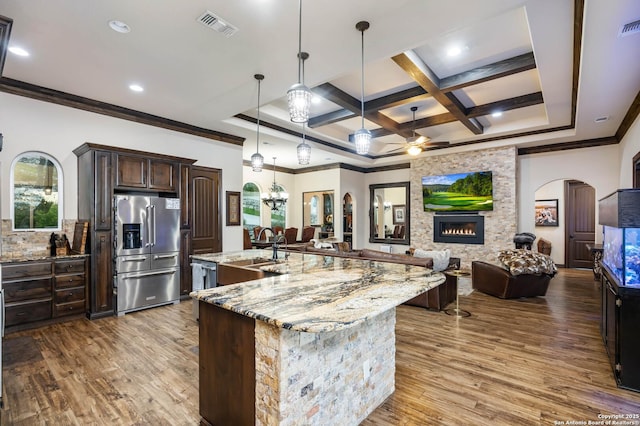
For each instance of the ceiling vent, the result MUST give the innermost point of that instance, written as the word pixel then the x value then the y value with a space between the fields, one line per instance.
pixel 214 22
pixel 629 29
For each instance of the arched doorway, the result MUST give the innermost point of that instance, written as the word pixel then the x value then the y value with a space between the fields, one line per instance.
pixel 576 223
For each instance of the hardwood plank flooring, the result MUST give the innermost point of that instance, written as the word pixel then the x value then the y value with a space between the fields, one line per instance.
pixel 513 362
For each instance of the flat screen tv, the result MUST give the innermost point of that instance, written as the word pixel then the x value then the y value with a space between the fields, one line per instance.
pixel 458 192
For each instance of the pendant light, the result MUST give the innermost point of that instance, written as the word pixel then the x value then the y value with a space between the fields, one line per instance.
pixel 275 199
pixel 299 95
pixel 362 137
pixel 257 160
pixel 304 150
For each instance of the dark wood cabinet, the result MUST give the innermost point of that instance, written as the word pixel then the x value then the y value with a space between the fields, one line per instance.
pixel 42 290
pixel 620 331
pixel 185 196
pixel 185 262
pixel 102 172
pixel 140 172
pixel 70 287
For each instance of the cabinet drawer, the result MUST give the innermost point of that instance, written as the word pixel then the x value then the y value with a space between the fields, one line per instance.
pixel 69 266
pixel 20 313
pixel 68 309
pixel 25 269
pixel 69 295
pixel 37 288
pixel 64 281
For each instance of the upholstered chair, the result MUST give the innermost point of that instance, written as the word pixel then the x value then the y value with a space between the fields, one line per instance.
pixel 291 234
pixel 307 234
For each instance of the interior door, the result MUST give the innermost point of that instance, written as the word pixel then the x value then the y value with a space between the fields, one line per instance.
pixel 206 225
pixel 581 223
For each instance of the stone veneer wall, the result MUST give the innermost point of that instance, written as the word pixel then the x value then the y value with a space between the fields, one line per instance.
pixel 499 225
pixel 24 244
pixel 335 378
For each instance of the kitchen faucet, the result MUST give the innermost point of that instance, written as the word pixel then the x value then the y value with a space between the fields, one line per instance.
pixel 276 239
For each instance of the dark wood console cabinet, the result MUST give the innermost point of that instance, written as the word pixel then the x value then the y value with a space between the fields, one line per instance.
pixel 104 171
pixel 620 332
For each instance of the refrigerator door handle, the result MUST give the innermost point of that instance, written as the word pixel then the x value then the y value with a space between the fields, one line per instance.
pixel 2 329
pixel 164 256
pixel 152 225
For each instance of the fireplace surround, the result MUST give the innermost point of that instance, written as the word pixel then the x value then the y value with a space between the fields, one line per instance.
pixel 458 229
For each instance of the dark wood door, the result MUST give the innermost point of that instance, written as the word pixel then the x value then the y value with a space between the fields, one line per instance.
pixel 581 223
pixel 206 225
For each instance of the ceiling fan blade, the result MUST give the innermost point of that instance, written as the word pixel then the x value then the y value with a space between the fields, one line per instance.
pixel 417 140
pixel 436 143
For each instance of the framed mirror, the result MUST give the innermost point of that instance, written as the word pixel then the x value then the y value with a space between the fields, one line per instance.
pixel 389 213
pixel 318 211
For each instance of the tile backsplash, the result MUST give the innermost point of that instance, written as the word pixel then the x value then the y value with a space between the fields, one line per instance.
pixel 25 244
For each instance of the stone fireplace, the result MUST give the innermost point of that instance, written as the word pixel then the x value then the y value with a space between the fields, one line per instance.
pixel 458 229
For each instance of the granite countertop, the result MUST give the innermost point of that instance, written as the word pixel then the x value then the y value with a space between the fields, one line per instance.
pixel 6 259
pixel 318 293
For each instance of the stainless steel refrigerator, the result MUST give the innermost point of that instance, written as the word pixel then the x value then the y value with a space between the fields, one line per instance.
pixel 147 251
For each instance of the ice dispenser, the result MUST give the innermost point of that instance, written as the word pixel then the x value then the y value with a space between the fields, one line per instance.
pixel 131 234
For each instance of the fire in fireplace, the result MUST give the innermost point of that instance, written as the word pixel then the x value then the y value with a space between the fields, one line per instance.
pixel 459 229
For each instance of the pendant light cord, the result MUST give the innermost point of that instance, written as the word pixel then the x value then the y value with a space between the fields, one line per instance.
pixel 258 121
pixel 362 82
pixel 300 42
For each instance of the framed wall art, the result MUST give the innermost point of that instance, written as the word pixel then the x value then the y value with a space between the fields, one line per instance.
pixel 233 208
pixel 546 212
pixel 398 214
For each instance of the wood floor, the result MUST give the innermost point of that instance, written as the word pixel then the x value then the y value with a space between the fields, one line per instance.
pixel 519 362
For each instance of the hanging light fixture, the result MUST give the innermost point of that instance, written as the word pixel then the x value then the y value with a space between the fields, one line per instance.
pixel 275 199
pixel 257 160
pixel 304 150
pixel 299 95
pixel 362 137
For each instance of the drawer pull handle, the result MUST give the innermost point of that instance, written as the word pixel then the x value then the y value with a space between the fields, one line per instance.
pixel 21 314
pixel 70 279
pixel 71 308
pixel 70 293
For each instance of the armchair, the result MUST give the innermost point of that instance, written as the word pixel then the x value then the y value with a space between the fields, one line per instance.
pixel 499 282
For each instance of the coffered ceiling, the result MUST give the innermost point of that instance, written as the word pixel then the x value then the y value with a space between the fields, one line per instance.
pixel 555 88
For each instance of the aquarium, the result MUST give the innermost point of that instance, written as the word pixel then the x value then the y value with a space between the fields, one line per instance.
pixel 621 254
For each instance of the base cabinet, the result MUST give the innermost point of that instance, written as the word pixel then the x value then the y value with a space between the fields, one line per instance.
pixel 620 330
pixel 42 290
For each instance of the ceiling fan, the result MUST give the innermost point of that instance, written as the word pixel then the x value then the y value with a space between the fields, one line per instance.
pixel 415 144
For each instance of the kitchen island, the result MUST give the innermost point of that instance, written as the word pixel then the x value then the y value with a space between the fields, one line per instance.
pixel 312 344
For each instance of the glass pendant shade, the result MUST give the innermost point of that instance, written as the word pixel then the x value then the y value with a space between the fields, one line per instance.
pixel 362 139
pixel 304 153
pixel 257 161
pixel 299 100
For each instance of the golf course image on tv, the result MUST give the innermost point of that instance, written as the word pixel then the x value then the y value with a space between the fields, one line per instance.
pixel 458 192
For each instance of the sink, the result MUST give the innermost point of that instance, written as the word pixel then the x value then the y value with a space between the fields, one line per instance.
pixel 249 262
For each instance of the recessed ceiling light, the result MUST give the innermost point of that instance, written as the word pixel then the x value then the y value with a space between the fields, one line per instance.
pixel 119 26
pixel 454 51
pixel 136 88
pixel 497 114
pixel 601 119
pixel 18 51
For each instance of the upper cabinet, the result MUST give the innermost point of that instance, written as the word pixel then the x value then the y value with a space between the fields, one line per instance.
pixel 135 172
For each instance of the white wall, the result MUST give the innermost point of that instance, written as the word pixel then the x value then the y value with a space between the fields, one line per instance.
pixel 598 167
pixel 629 147
pixel 27 124
pixel 554 234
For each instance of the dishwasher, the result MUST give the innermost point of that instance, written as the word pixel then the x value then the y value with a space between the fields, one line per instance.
pixel 203 275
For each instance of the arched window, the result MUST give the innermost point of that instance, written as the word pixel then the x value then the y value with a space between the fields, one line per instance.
pixel 36 192
pixel 278 217
pixel 250 206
